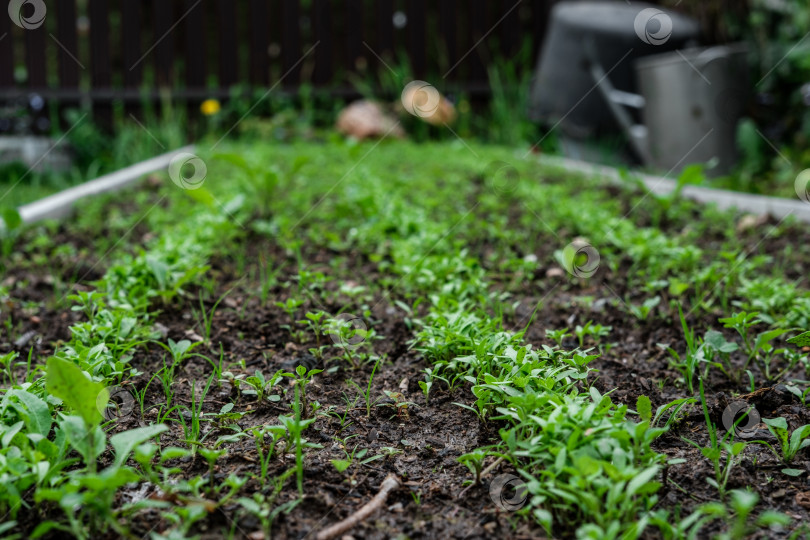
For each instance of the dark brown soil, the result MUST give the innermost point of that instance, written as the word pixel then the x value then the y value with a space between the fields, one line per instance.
pixel 428 438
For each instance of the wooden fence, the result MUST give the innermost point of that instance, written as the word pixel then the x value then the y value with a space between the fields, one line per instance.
pixel 98 52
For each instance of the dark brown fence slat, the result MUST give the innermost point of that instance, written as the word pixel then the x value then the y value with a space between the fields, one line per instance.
pixel 196 44
pixel 259 41
pixel 163 38
pixel 385 28
pixel 66 33
pixel 131 27
pixel 510 34
pixel 100 73
pixel 354 33
pixel 227 45
pixel 6 53
pixel 99 12
pixel 291 42
pixel 417 16
pixel 322 33
pixel 478 21
pixel 35 56
pixel 448 22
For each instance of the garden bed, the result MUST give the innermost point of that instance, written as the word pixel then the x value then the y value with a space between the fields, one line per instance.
pixel 455 332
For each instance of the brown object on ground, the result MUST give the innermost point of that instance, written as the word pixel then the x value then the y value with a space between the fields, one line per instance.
pixel 366 119
pixel 428 104
pixel 389 484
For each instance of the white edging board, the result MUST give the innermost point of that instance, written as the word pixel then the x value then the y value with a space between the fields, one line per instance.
pixel 746 202
pixel 60 204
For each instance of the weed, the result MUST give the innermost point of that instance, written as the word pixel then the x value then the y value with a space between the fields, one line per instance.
pixel 718 446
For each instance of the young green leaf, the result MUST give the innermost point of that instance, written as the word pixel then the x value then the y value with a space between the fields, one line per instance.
pixel 644 408
pixel 802 340
pixel 69 383
pixel 124 443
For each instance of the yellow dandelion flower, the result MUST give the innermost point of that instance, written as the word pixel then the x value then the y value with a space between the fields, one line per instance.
pixel 210 107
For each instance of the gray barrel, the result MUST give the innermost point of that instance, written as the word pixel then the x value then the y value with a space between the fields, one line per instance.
pixel 563 90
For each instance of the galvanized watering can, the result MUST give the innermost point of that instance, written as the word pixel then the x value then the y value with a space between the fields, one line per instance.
pixel 690 102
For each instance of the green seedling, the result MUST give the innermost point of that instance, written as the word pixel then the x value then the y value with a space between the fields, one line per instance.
pixel 315 324
pixel 87 398
pixel 399 404
pixel 427 384
pixel 192 429
pixel 7 362
pixel 259 386
pixel 758 348
pixel 266 438
pixel 643 311
pixel 295 426
pixel 558 335
pixel 211 456
pixel 290 307
pixel 341 465
pixel 717 447
pixel 789 443
pixel 366 394
pixel 688 366
pixel 475 462
pixel 302 379
pixel 205 319
pixel 737 515
pixel 179 351
pixel 595 331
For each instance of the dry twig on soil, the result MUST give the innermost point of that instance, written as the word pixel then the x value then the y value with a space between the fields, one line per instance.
pixel 389 484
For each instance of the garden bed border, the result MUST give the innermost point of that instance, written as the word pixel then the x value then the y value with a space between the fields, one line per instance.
pixel 778 207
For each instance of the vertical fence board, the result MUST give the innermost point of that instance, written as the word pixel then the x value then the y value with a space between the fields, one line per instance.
pixel 448 22
pixel 322 32
pixel 131 51
pixel 510 29
pixel 68 66
pixel 227 44
pixel 66 33
pixel 196 51
pixel 354 33
pixel 164 39
pixel 291 42
pixel 478 21
pixel 6 53
pixel 100 71
pixel 259 41
pixel 35 56
pixel 435 37
pixel 417 15
pixel 385 28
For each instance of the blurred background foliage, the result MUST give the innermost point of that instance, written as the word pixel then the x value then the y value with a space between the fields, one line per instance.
pixel 773 138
